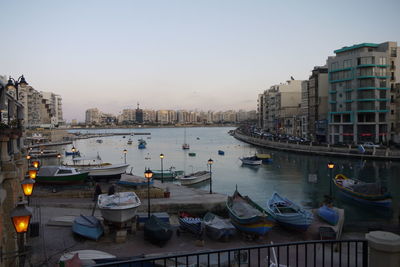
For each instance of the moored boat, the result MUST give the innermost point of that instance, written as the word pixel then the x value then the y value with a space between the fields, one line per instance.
pixel 76 153
pixel 129 142
pixel 366 193
pixel 328 214
pixel 218 228
pixel 119 207
pixel 247 216
pixel 157 231
pixel 288 213
pixel 254 161
pixel 170 173
pixel 142 144
pixel 195 178
pixel 60 175
pixel 96 167
pixel 192 154
pixel 221 152
pixel 266 158
pixel 87 226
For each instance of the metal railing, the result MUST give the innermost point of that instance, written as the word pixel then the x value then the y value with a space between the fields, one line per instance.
pixel 299 254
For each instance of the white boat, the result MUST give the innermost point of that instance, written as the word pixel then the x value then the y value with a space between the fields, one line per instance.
pixel 86 257
pixel 96 167
pixel 195 178
pixel 119 207
pixel 251 161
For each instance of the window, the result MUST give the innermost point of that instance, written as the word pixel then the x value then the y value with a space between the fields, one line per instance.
pixel 365 60
pixel 347 63
pixel 334 65
pixel 346 117
pixel 382 83
pixel 381 72
pixel 382 93
pixel 347 84
pixel 382 61
pixel 333 97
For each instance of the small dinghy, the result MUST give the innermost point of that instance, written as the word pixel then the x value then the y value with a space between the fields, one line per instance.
pixel 218 228
pixel 157 231
pixel 252 161
pixel 190 224
pixel 87 226
pixel 328 214
pixel 288 213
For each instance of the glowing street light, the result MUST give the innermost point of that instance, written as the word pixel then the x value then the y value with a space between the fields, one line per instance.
pixel 148 174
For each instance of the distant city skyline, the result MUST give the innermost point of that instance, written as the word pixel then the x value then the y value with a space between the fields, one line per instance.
pixel 206 55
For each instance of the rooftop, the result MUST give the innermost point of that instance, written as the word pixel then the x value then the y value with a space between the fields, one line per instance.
pixel 356 46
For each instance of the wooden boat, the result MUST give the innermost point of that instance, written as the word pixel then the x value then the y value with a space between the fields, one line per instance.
pixel 266 158
pixel 87 226
pixel 119 207
pixel 85 257
pixel 328 214
pixel 195 178
pixel 254 161
pixel 133 180
pixel 157 231
pixel 220 152
pixel 288 213
pixel 247 216
pixel 190 223
pixel 218 228
pixel 366 193
pixel 60 175
pixel 96 167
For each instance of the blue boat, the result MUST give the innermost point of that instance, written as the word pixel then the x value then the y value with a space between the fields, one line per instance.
pixel 288 213
pixel 130 180
pixel 76 153
pixel 330 215
pixel 142 144
pixel 220 152
pixel 87 226
pixel 247 216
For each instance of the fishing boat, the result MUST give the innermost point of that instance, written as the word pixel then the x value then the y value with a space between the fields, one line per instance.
pixel 192 154
pixel 195 178
pixel 76 153
pixel 99 141
pixel 218 228
pixel 328 214
pixel 87 226
pixel 119 207
pixel 157 231
pixel 130 180
pixel 220 152
pixel 60 175
pixel 253 161
pixel 288 213
pixel 266 158
pixel 85 257
pixel 247 216
pixel 170 173
pixel 190 223
pixel 142 144
pixel 366 193
pixel 96 167
pixel 185 145
pixel 129 142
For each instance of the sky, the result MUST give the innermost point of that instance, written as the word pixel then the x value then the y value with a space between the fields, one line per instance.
pixel 204 55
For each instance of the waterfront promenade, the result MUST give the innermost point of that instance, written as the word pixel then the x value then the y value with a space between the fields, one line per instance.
pixel 324 150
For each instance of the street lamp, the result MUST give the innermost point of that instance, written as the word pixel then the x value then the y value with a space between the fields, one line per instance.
pixel 210 162
pixel 36 164
pixel 148 174
pixel 59 158
pixel 32 174
pixel 27 187
pixel 331 165
pixel 13 84
pixel 20 217
pixel 28 158
pixel 162 171
pixel 125 151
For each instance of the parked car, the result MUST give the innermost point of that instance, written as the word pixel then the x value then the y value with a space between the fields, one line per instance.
pixel 370 145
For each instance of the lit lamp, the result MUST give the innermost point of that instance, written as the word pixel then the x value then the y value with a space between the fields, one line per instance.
pixel 32 174
pixel 59 158
pixel 148 174
pixel 27 187
pixel 125 152
pixel 210 162
pixel 28 158
pixel 73 149
pixel 331 165
pixel 162 171
pixel 36 164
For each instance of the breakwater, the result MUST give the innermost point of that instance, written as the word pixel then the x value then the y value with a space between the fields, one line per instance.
pixel 324 150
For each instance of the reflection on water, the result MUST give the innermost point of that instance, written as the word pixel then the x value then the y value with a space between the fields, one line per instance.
pixel 288 174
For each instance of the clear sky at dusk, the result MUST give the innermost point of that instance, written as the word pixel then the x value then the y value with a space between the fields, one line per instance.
pixel 185 54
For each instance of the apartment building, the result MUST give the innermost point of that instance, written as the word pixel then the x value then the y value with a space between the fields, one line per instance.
pixel 51 109
pixel 304 110
pixel 32 101
pixel 92 116
pixel 362 82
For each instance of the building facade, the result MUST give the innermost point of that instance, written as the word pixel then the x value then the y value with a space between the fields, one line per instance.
pixel 92 116
pixel 361 93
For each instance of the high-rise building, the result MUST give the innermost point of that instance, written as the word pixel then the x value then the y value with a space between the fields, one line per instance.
pixel 52 110
pixel 139 114
pixel 362 79
pixel 92 116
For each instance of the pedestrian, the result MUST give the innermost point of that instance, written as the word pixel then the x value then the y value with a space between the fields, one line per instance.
pixel 111 190
pixel 97 192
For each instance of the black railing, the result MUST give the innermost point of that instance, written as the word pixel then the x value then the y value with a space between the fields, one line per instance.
pixel 299 254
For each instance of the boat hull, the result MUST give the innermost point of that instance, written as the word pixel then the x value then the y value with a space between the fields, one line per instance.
pixel 251 162
pixel 107 170
pixel 118 216
pixel 195 179
pixel 217 228
pixel 328 214
pixel 119 207
pixel 65 179
pixel 257 228
pixel 87 226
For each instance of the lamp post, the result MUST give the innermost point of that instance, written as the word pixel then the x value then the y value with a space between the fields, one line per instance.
pixel 28 158
pixel 210 162
pixel 148 174
pixel 36 164
pixel 331 165
pixel 125 151
pixel 13 84
pixel 27 187
pixel 162 171
pixel 20 217
pixel 32 174
pixel 59 158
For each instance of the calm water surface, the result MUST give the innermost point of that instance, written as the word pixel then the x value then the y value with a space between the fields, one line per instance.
pixel 288 174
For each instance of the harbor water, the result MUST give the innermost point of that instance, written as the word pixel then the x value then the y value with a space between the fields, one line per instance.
pixel 302 178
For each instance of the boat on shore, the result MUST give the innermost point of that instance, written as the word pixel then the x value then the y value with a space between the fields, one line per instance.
pixel 84 257
pixel 253 161
pixel 190 223
pixel 60 175
pixel 328 214
pixel 195 178
pixel 119 207
pixel 87 226
pixel 157 231
pixel 288 213
pixel 218 228
pixel 247 216
pixel 96 167
pixel 130 180
pixel 366 193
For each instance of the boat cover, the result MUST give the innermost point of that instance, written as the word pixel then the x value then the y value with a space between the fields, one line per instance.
pixel 118 200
